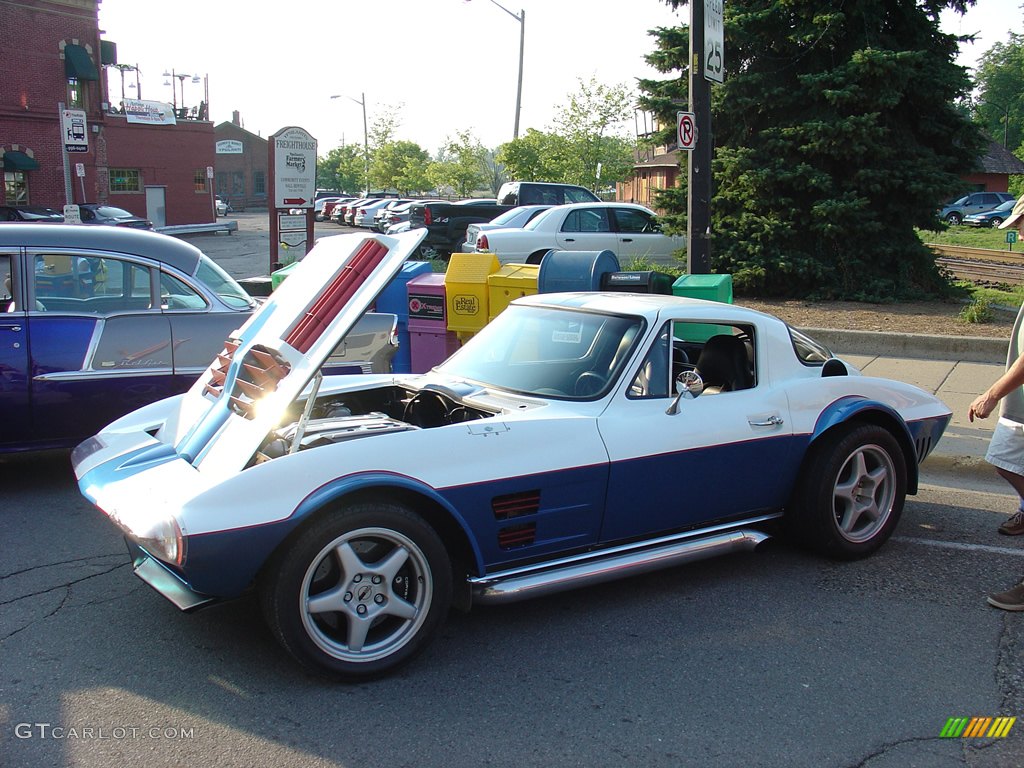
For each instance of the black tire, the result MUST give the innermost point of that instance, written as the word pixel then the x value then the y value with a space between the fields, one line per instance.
pixel 995 221
pixel 383 583
pixel 850 496
pixel 955 219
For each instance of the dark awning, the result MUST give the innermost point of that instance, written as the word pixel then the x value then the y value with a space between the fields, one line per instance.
pixel 19 161
pixel 78 64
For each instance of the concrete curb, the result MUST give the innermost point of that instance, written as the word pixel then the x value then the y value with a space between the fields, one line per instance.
pixel 971 349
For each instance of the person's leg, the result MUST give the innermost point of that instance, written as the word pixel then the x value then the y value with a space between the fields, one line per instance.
pixel 1006 454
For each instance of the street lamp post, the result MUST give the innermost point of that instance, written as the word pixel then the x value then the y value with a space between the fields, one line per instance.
pixel 366 137
pixel 1006 116
pixel 521 18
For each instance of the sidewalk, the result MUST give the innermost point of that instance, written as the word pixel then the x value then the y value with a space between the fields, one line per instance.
pixel 956 369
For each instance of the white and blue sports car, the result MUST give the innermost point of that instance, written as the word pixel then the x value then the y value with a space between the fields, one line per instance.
pixel 579 437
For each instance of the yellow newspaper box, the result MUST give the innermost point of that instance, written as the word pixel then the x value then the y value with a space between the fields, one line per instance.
pixel 465 289
pixel 509 283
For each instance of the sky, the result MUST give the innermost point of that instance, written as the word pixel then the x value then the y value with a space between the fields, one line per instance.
pixel 441 65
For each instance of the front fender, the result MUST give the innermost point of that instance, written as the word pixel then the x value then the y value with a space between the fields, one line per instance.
pixel 378 481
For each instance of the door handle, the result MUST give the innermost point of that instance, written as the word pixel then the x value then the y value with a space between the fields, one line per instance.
pixel 627 239
pixel 14 328
pixel 772 421
pixel 570 240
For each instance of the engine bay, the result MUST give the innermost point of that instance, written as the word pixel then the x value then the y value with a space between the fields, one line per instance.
pixel 339 417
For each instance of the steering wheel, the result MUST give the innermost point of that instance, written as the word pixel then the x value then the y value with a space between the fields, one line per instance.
pixel 589 383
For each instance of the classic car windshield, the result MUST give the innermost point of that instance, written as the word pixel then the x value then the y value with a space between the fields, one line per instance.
pixel 561 353
pixel 222 284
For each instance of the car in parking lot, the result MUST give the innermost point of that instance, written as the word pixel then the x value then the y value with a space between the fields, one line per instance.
pixel 221 206
pixel 992 218
pixel 577 438
pixel 97 321
pixel 975 202
pixel 34 213
pixel 96 213
pixel 517 217
pixel 627 230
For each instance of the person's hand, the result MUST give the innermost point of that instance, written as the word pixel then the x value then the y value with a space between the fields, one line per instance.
pixel 982 406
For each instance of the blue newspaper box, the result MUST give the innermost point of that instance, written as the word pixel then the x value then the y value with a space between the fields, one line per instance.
pixel 575 270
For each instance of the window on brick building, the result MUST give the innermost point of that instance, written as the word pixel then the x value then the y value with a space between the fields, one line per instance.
pixel 125 180
pixel 16 187
pixel 259 183
pixel 238 184
pixel 199 180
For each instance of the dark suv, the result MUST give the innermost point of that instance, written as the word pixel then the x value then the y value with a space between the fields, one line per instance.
pixel 975 202
pixel 517 193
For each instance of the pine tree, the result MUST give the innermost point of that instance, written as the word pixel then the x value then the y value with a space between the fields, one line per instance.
pixel 836 134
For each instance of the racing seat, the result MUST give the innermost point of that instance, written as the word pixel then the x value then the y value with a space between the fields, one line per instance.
pixel 724 366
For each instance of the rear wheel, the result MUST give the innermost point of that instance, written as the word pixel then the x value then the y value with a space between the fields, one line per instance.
pixel 359 592
pixel 851 494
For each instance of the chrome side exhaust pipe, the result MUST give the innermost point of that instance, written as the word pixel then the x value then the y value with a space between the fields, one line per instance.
pixel 594 568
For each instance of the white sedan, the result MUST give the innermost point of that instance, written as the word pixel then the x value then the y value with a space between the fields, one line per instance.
pixel 628 230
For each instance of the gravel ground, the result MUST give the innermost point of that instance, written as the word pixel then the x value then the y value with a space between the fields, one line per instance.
pixel 924 317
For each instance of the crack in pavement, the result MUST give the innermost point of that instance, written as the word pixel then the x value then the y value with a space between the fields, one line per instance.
pixel 889 745
pixel 60 562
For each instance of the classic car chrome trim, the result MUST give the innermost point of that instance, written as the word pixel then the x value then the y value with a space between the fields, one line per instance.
pixel 597 567
pixel 116 373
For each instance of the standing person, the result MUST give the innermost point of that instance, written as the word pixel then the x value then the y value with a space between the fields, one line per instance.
pixel 1006 451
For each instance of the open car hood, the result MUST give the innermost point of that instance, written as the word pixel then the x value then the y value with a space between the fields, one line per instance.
pixel 274 356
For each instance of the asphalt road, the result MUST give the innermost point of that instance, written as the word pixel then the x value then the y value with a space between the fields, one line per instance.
pixel 774 658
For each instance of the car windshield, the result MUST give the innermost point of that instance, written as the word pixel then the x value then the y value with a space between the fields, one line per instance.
pixel 222 284
pixel 552 352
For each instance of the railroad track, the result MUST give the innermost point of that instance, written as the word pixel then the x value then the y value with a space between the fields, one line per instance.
pixel 981 265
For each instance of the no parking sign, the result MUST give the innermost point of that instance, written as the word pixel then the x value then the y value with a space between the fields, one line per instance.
pixel 686 130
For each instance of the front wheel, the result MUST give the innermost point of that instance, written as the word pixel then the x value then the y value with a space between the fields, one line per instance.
pixel 359 592
pixel 954 219
pixel 851 494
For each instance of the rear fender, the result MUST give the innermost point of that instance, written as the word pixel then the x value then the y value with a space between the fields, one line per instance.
pixel 858 409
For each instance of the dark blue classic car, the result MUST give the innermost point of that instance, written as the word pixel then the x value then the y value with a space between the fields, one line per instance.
pixel 97 321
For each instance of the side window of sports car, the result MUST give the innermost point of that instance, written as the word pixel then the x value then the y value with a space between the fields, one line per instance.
pixel 722 355
pixel 90 284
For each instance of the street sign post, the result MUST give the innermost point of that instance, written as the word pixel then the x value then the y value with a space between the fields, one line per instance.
pixel 73 130
pixel 714 41
pixel 686 131
pixel 292 157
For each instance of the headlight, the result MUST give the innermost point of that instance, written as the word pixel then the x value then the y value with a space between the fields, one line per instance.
pixel 162 538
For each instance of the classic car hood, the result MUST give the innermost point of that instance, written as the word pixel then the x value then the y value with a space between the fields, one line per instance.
pixel 244 392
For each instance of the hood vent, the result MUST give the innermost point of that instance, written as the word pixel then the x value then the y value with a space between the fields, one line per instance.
pixel 328 305
pixel 262 370
pixel 219 369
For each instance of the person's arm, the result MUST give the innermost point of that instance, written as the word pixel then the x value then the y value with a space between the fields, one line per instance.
pixel 986 402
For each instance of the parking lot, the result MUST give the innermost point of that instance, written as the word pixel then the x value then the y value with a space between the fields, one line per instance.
pixel 772 658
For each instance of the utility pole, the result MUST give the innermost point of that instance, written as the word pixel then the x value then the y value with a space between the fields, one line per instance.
pixel 698 179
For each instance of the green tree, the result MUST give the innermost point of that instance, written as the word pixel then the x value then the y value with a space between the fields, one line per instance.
pixel 461 165
pixel 999 106
pixel 342 168
pixel 400 165
pixel 836 135
pixel 590 130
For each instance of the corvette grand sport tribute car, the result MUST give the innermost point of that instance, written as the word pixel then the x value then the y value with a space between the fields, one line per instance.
pixel 578 437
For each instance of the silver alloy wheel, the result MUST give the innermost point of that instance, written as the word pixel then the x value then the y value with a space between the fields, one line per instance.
pixel 864 493
pixel 366 594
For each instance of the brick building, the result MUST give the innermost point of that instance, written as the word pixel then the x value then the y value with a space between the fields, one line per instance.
pixel 242 160
pixel 56 61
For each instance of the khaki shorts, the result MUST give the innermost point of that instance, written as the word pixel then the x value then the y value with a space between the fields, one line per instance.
pixel 1006 450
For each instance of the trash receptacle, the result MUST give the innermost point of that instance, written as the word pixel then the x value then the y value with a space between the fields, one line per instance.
pixel 638 282
pixel 395 299
pixel 709 288
pixel 257 286
pixel 430 341
pixel 278 275
pixel 508 284
pixel 575 270
pixel 466 295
